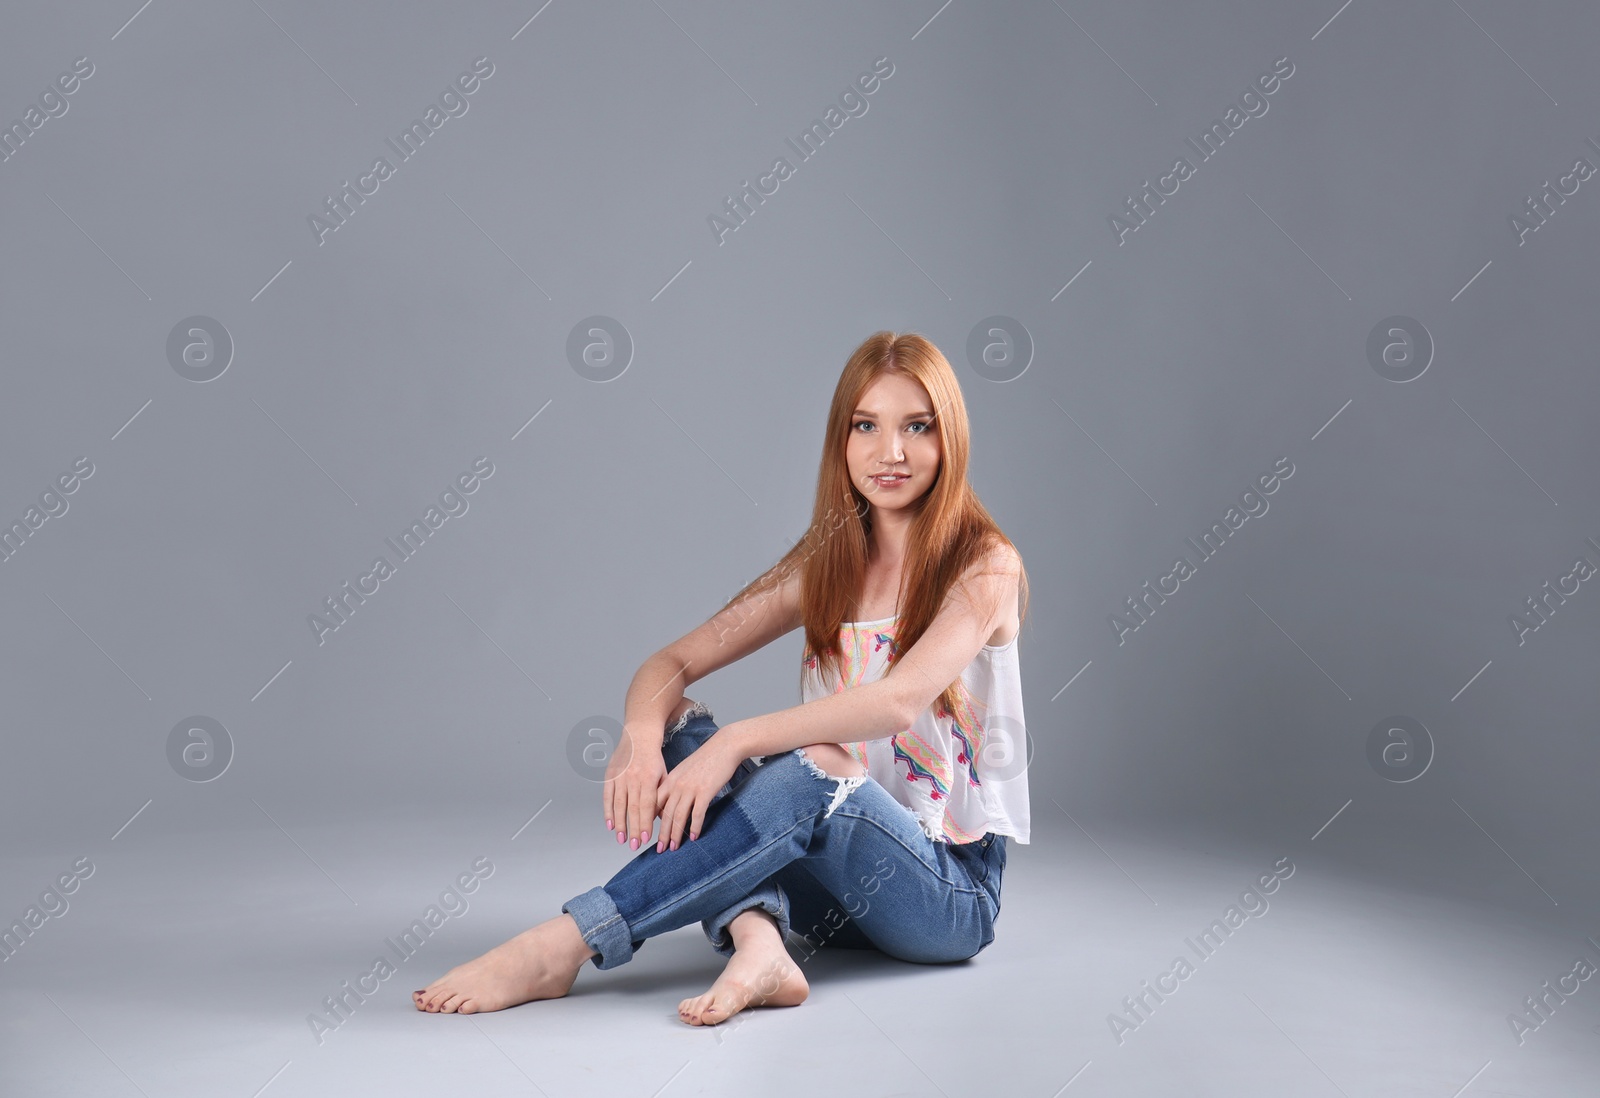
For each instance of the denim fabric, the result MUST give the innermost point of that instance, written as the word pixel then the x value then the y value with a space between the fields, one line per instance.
pixel 836 861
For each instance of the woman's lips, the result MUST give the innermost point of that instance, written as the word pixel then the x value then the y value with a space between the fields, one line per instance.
pixel 892 482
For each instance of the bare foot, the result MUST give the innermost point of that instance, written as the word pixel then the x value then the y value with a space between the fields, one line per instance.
pixel 760 973
pixel 540 963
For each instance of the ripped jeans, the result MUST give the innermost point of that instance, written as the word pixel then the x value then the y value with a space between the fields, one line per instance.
pixel 836 861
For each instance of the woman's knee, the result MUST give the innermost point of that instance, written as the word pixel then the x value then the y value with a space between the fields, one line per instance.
pixel 835 760
pixel 679 710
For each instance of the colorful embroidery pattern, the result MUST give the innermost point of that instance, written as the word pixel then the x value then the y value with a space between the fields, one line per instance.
pixel 933 768
pixel 956 835
pixel 923 763
pixel 852 666
pixel 968 730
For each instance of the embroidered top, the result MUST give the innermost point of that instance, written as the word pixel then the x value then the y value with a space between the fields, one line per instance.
pixel 960 774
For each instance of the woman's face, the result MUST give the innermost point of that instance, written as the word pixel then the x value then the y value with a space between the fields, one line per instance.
pixel 892 432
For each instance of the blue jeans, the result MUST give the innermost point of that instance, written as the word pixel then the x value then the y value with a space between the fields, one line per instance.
pixel 837 861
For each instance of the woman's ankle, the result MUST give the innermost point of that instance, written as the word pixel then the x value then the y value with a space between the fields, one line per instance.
pixel 752 925
pixel 569 940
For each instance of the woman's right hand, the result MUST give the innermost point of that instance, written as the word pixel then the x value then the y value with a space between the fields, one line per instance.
pixel 628 795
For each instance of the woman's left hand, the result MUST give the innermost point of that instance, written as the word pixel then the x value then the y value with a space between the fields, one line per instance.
pixel 684 795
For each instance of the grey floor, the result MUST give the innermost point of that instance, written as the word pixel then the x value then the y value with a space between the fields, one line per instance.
pixel 188 964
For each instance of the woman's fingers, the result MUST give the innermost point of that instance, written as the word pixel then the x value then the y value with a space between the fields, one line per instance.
pixel 613 791
pixel 687 811
pixel 672 832
pixel 665 839
pixel 628 810
pixel 635 822
pixel 679 810
pixel 666 803
pixel 697 821
pixel 657 814
pixel 680 818
pixel 647 798
pixel 618 790
pixel 667 810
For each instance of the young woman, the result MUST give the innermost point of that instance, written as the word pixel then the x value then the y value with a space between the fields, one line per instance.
pixel 875 814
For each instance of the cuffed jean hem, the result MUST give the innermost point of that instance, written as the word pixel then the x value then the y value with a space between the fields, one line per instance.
pixel 602 927
pixel 770 818
pixel 769 897
pixel 606 931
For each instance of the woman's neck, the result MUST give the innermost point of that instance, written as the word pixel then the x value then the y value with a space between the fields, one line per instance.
pixel 886 548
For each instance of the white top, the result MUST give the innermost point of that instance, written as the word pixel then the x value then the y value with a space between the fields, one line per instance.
pixel 960 775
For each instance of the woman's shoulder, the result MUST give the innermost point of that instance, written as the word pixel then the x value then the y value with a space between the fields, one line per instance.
pixel 998 572
pixel 1000 557
pixel 995 570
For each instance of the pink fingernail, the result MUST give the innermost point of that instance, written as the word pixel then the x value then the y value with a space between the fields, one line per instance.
pixel 608 824
pixel 635 844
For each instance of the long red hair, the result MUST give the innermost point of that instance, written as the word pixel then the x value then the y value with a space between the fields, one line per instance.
pixel 951 530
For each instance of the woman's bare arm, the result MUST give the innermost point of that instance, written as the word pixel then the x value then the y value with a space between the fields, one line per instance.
pixel 971 613
pixel 727 636
pixel 628 798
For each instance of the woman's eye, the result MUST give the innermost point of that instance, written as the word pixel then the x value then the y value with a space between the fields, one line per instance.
pixel 923 424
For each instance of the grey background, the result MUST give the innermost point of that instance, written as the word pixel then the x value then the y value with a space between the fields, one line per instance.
pixel 1177 367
